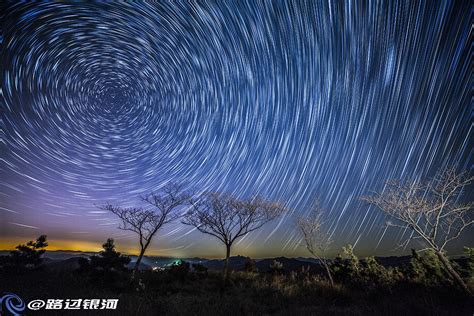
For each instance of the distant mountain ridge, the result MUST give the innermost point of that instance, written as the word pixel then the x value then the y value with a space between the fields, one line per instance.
pixel 61 259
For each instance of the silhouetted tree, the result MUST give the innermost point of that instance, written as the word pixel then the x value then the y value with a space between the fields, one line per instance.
pixel 146 222
pixel 109 258
pixel 228 218
pixel 105 266
pixel 430 210
pixel 29 255
pixel 316 239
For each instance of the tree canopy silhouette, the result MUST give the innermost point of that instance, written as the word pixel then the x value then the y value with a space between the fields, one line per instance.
pixel 31 253
pixel 107 265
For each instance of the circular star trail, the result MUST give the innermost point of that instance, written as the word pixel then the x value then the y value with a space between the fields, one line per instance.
pixel 291 100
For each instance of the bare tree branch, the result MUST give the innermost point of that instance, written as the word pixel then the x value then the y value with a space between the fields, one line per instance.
pixel 317 240
pixel 431 210
pixel 165 205
pixel 228 218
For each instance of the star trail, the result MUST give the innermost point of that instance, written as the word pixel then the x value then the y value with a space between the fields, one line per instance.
pixel 293 100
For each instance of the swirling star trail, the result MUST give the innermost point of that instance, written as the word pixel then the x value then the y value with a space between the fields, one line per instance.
pixel 294 100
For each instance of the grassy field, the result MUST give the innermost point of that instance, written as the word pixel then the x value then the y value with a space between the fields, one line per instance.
pixel 165 293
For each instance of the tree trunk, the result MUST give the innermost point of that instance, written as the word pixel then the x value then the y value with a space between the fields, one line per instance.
pixel 453 272
pixel 328 271
pixel 137 264
pixel 226 264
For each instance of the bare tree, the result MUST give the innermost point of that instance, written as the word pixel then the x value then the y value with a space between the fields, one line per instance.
pixel 316 239
pixel 146 222
pixel 431 210
pixel 228 218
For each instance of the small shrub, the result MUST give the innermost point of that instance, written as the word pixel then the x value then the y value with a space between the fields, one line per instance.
pixel 470 254
pixel 179 270
pixel 199 268
pixel 276 267
pixel 374 274
pixel 346 267
pixel 250 266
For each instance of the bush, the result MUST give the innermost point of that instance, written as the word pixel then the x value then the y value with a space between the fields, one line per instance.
pixel 179 270
pixel 346 267
pixel 276 267
pixel 470 254
pixel 426 268
pixel 373 274
pixel 370 274
pixel 199 268
pixel 250 266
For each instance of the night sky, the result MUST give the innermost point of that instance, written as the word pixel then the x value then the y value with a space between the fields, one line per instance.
pixel 293 100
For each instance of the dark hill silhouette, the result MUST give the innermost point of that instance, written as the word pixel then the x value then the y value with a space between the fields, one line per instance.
pixel 289 264
pixel 69 264
pixel 235 263
pixel 392 261
pixel 143 266
pixel 68 260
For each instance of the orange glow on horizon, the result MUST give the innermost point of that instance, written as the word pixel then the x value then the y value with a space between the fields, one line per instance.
pixel 68 245
pixel 93 246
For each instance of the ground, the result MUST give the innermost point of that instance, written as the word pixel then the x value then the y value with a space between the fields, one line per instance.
pixel 163 293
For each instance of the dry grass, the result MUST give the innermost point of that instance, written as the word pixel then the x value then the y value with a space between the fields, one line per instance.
pixel 245 294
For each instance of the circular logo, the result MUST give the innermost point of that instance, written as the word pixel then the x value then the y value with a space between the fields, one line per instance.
pixel 12 303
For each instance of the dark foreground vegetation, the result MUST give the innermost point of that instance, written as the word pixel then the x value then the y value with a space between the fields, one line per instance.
pixel 361 287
